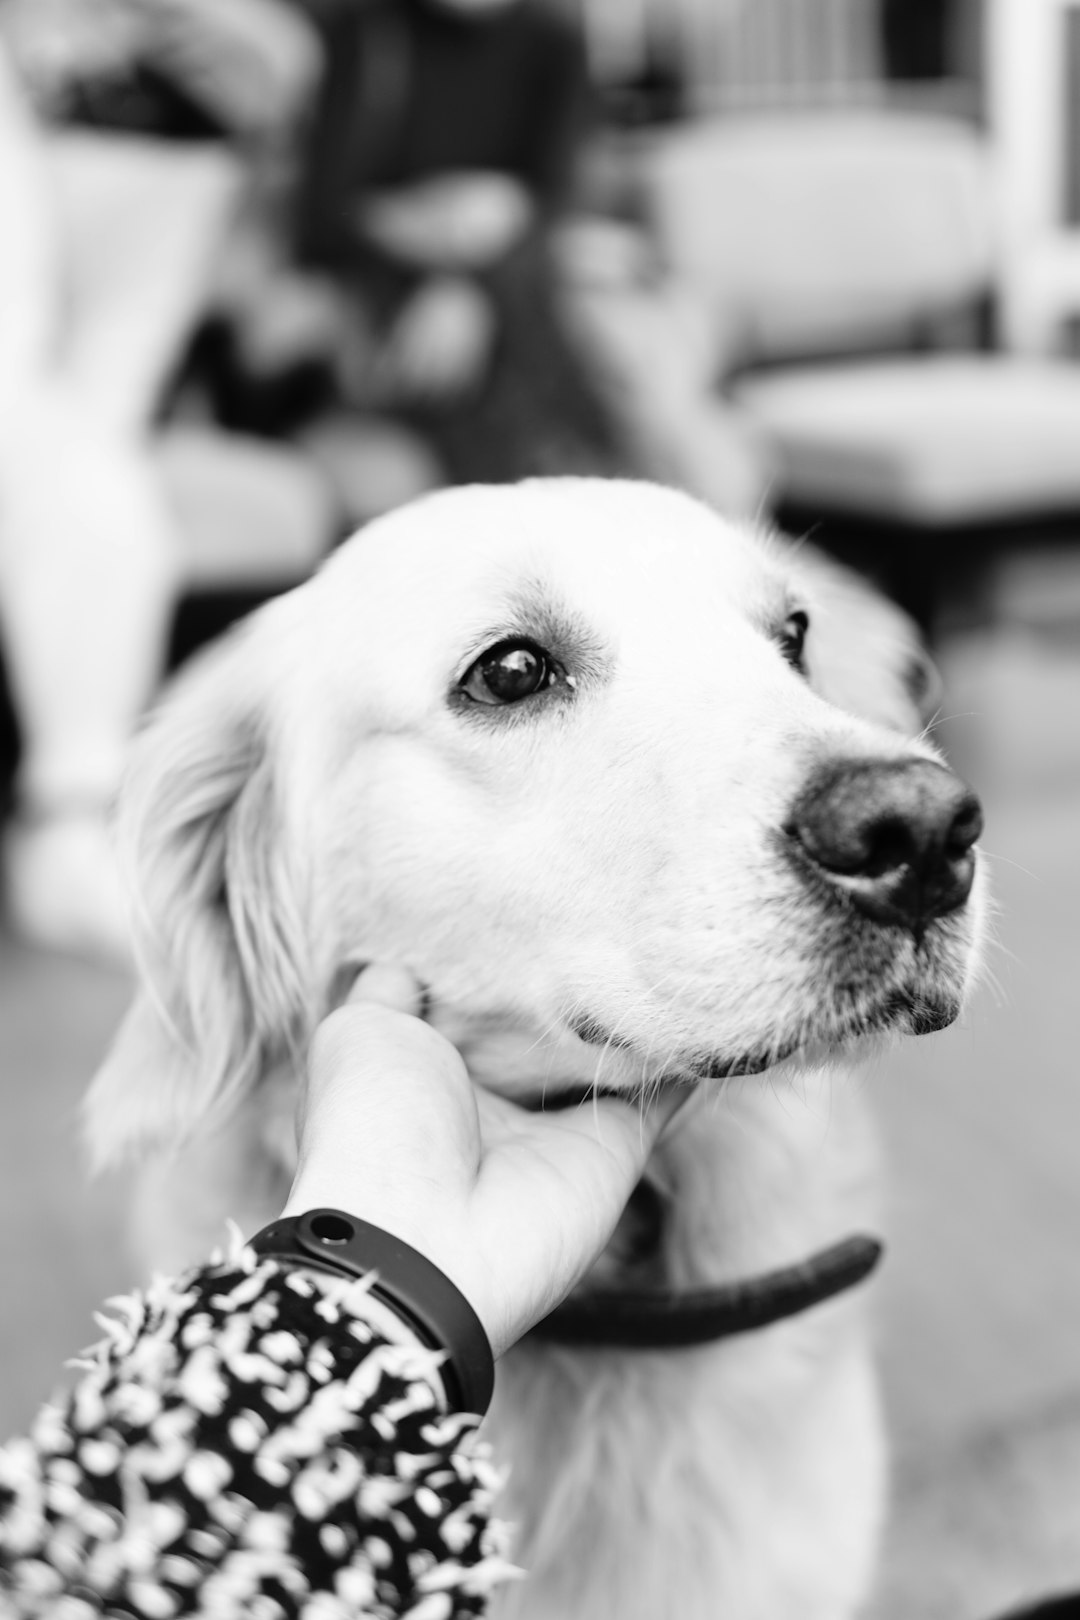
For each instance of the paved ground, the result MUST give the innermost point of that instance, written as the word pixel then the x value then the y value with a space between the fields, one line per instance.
pixel 980 1307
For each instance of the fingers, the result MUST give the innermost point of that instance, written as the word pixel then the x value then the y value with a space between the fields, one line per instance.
pixel 550 1191
pixel 623 1132
pixel 389 1123
pixel 368 1055
pixel 605 1144
pixel 388 1086
pixel 513 1205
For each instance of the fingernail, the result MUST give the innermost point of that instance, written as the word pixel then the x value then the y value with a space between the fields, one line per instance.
pixel 389 985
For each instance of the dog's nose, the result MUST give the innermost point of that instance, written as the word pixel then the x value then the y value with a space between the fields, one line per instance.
pixel 895 835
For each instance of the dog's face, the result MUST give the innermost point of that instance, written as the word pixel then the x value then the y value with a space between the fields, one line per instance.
pixel 557 748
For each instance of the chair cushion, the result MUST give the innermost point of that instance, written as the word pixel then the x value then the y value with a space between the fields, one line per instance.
pixel 939 440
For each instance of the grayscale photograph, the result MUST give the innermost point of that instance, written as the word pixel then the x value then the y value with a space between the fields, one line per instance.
pixel 539 809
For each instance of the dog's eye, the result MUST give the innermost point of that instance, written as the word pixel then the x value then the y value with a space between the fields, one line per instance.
pixel 793 639
pixel 509 672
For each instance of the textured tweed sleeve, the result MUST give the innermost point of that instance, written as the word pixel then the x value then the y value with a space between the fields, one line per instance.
pixel 244 1443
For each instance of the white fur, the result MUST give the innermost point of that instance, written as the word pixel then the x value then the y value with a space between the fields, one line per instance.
pixel 313 795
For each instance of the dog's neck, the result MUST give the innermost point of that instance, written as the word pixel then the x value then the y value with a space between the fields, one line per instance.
pixel 739 1222
pixel 741 1219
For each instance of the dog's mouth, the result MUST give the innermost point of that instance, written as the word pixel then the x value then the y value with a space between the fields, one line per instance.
pixel 711 1066
pixel 719 1066
pixel 900 1011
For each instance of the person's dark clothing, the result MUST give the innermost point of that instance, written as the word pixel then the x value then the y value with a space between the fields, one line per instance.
pixel 412 91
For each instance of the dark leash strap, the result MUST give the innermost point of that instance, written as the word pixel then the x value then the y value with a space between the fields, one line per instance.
pixel 641 1319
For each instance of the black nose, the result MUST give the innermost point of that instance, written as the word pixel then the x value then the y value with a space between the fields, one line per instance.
pixel 895 835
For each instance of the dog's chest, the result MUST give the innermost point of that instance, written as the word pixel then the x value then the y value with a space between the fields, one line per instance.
pixel 742 1478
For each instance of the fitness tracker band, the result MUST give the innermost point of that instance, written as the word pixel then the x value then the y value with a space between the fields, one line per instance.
pixel 415 1289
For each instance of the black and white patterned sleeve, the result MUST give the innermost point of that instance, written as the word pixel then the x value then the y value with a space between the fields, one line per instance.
pixel 245 1441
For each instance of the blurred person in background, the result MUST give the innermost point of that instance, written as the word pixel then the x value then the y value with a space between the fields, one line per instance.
pixel 417 335
pixel 122 124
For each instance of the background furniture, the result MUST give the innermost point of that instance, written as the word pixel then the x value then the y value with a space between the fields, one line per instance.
pixel 1032 75
pixel 851 261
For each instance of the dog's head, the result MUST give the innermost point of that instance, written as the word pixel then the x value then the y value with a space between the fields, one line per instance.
pixel 566 751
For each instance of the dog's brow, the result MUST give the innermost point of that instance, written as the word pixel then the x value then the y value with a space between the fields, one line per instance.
pixel 534 611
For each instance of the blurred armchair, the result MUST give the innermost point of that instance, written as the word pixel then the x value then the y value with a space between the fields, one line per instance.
pixel 850 258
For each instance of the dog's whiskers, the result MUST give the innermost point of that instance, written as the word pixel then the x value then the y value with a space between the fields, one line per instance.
pixel 940 719
pixel 1007 860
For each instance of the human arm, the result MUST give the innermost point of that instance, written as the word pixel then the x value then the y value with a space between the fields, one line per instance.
pixel 256 1427
pixel 463 222
pixel 249 1432
pixel 251 64
pixel 439 343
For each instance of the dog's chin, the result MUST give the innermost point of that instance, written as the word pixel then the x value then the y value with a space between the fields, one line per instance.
pixel 813 1043
pixel 587 1058
pixel 901 1013
pixel 904 1012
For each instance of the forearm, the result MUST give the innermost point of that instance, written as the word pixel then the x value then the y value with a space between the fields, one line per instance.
pixel 249 1430
pixel 251 64
pixel 29 275
pixel 459 224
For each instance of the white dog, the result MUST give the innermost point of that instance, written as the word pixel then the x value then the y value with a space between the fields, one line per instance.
pixel 567 751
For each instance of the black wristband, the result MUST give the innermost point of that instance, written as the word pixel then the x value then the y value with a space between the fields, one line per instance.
pixel 425 1299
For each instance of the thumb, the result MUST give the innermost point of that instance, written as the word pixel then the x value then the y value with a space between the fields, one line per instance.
pixel 388 1115
pixel 387 984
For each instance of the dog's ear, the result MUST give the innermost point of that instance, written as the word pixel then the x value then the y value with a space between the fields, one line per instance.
pixel 865 654
pixel 216 919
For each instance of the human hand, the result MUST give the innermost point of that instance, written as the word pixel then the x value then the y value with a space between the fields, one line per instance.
pixel 56 44
pixel 251 63
pixel 439 343
pixel 293 317
pixel 459 221
pixel 512 1206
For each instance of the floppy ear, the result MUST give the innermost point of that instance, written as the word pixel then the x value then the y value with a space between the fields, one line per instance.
pixel 865 654
pixel 218 929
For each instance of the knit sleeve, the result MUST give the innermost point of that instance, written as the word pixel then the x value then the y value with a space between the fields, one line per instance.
pixel 244 1442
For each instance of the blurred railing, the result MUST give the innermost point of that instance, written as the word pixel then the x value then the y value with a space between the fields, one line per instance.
pixel 769 54
pixel 778 52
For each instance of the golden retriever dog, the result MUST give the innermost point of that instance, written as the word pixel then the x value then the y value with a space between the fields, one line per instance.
pixel 640 797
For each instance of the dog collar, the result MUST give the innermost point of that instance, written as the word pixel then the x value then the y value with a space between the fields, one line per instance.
pixel 662 1319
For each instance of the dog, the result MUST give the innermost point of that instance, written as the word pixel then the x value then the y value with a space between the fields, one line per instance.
pixel 641 797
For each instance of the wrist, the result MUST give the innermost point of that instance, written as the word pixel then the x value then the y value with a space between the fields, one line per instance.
pixel 432 1238
pixel 401 1280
